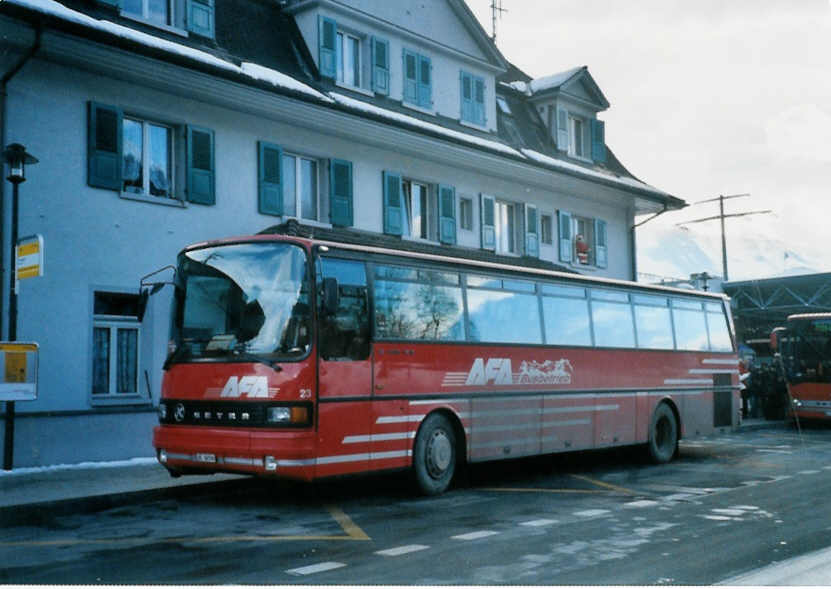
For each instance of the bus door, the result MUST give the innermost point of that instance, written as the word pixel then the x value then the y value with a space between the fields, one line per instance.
pixel 345 370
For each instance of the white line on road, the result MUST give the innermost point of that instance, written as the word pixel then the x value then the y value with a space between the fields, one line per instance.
pixel 641 503
pixel 316 568
pixel 591 512
pixel 536 523
pixel 474 535
pixel 402 550
pixel 808 472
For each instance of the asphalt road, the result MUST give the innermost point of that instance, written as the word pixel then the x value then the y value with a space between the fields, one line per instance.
pixel 726 506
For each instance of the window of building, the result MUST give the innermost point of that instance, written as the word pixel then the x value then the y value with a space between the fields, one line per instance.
pixel 417 209
pixel 546 226
pixel 115 345
pixel 300 187
pixel 348 59
pixel 155 11
pixel 576 137
pixel 147 158
pixel 466 214
pixel 505 227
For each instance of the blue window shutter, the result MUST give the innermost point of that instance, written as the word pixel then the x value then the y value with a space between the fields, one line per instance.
pixel 425 82
pixel 104 140
pixel 601 259
pixel 201 17
pixel 327 31
pixel 532 235
pixel 340 193
pixel 447 214
pixel 479 101
pixel 410 77
pixel 380 66
pixel 270 179
pixel 562 129
pixel 201 182
pixel 564 222
pixel 393 204
pixel 598 129
pixel 466 93
pixel 487 205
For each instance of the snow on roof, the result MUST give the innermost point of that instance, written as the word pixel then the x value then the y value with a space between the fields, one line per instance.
pixel 52 8
pixel 550 161
pixel 281 80
pixel 400 117
pixel 552 81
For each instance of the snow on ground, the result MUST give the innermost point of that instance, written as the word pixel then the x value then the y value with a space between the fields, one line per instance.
pixel 79 466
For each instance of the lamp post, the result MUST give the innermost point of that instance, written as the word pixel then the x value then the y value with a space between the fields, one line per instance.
pixel 17 158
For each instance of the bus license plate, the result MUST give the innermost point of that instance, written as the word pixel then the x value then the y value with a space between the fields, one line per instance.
pixel 205 458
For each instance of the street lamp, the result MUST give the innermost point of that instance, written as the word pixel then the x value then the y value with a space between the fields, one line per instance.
pixel 16 156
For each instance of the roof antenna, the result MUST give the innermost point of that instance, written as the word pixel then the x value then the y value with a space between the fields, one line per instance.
pixel 496 11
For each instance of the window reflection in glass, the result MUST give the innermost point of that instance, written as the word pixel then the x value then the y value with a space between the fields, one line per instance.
pixel 505 317
pixel 566 321
pixel 127 361
pixel 101 361
pixel 344 335
pixel 654 327
pixel 157 11
pixel 408 310
pixel 289 186
pixel 690 329
pixel 613 325
pixel 719 333
pixel 159 151
pixel 308 196
pixel 132 149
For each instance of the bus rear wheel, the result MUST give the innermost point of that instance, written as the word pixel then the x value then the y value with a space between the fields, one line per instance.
pixel 663 435
pixel 434 457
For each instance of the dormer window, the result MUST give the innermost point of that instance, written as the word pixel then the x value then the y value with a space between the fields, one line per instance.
pixel 576 137
pixel 349 59
pixel 154 11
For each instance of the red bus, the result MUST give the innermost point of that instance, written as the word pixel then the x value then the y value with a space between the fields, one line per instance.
pixel 804 347
pixel 305 357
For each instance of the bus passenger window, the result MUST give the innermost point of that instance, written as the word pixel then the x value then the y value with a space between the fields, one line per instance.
pixel 344 335
pixel 690 327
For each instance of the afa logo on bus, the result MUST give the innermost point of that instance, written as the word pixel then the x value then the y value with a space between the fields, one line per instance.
pixel 498 371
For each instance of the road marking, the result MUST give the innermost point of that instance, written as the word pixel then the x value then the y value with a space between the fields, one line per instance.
pixel 641 503
pixel 474 535
pixel 316 568
pixel 402 550
pixel 609 486
pixel 345 522
pixel 717 517
pixel 536 523
pixel 808 472
pixel 591 512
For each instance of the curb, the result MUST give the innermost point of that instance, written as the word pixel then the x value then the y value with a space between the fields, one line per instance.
pixel 776 424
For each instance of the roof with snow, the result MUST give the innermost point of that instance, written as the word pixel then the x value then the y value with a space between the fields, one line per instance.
pixel 259 45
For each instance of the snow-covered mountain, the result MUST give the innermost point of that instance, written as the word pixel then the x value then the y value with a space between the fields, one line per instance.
pixel 677 252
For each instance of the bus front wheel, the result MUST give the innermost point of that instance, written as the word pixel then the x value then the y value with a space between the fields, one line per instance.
pixel 663 435
pixel 434 457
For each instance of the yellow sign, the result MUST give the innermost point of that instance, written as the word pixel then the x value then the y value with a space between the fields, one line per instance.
pixel 29 254
pixel 19 373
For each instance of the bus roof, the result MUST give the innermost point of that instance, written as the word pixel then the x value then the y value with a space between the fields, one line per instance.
pixel 373 243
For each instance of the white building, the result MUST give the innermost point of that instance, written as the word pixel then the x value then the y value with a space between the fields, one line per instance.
pixel 159 124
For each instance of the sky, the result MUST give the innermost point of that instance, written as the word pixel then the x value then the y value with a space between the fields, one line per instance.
pixel 708 97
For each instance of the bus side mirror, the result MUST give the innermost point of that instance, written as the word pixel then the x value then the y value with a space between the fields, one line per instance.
pixel 331 295
pixel 776 339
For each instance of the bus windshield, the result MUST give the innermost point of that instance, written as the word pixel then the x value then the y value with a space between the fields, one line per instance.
pixel 807 350
pixel 242 302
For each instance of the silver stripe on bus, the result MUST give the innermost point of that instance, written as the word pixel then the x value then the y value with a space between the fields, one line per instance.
pixel 731 362
pixel 515 442
pixel 378 437
pixel 242 461
pixel 360 457
pixel 398 418
pixel 176 456
pixel 566 422
pixel 437 401
pixel 529 425
pixel 712 371
pixel 688 381
pixel 816 404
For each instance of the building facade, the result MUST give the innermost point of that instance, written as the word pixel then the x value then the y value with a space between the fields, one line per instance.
pixel 160 124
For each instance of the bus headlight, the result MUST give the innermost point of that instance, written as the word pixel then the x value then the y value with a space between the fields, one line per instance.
pixel 284 415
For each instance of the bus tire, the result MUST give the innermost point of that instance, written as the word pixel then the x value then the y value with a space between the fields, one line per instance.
pixel 434 456
pixel 663 435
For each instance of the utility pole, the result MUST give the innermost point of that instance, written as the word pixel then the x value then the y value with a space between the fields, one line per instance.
pixel 721 216
pixel 496 12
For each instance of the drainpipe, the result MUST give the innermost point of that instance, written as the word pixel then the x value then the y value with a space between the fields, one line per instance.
pixel 3 117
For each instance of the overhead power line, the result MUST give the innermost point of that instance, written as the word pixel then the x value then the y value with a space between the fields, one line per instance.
pixel 722 216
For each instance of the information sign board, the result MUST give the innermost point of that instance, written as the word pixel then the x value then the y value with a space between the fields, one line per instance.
pixel 19 371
